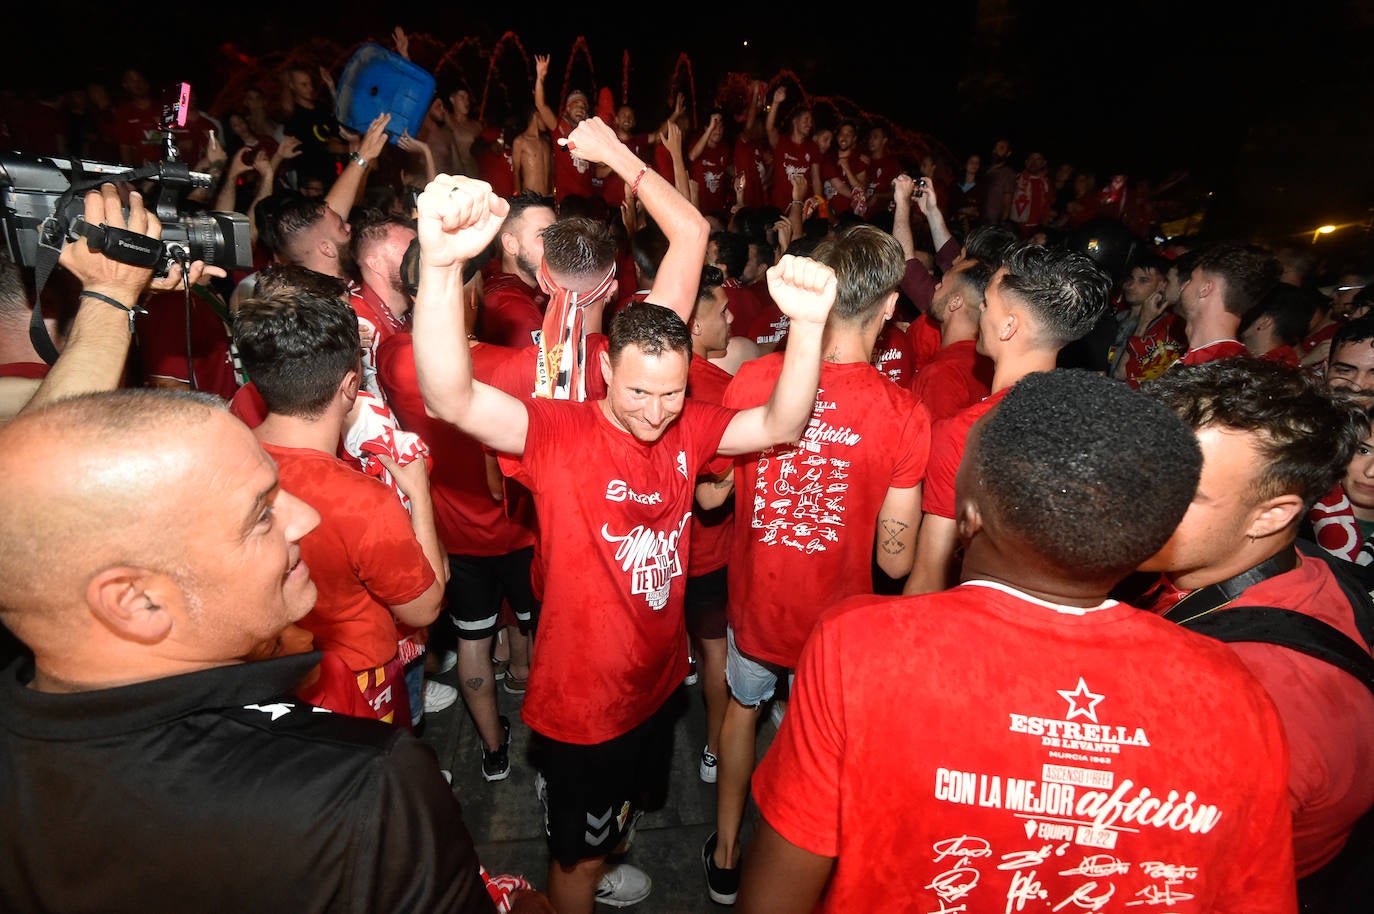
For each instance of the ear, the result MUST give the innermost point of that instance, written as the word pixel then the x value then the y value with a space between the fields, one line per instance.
pixel 969 520
pixel 954 304
pixel 352 380
pixel 328 248
pixel 510 244
pixel 1264 322
pixel 696 327
pixel 1007 329
pixel 1273 515
pixel 890 306
pixel 134 603
pixel 606 368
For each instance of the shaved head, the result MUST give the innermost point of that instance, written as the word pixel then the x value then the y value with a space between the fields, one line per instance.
pixel 145 528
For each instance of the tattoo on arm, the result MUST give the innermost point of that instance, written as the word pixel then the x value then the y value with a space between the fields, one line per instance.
pixel 475 683
pixel 892 535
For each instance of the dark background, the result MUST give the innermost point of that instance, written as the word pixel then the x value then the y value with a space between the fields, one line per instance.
pixel 1266 107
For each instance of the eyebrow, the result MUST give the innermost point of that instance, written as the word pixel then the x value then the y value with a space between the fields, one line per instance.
pixel 260 501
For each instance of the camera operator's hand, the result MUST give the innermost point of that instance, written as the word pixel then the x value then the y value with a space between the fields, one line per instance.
pixel 98 273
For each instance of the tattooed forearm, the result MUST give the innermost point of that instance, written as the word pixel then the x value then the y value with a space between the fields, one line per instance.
pixel 475 683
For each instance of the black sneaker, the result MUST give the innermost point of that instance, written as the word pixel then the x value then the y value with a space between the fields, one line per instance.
pixel 496 762
pixel 722 884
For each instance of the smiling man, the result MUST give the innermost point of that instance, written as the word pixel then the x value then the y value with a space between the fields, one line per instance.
pixel 146 547
pixel 613 482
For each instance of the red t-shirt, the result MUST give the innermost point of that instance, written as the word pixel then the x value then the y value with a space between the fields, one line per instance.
pixel 768 327
pixel 141 129
pixel 469 520
pixel 615 511
pixel 1151 353
pixel 955 379
pixel 712 531
pixel 162 335
pixel 1327 714
pixel 925 340
pixel 894 356
pixel 571 174
pixel 711 171
pixel 512 311
pixel 373 313
pixel 881 171
pixel 1220 349
pixel 33 370
pixel 744 304
pixel 1284 355
pixel 947 439
pixel 495 167
pixel 752 162
pixel 830 172
pixel 1316 339
pixel 791 158
pixel 1061 759
pixel 806 516
pixel 363 557
pixel 247 406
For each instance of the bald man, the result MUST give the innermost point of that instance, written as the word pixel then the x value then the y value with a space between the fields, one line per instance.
pixel 145 548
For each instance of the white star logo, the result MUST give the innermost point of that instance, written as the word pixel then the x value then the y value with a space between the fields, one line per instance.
pixel 277 710
pixel 1081 701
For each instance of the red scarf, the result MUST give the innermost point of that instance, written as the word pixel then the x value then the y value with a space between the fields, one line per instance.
pixel 559 373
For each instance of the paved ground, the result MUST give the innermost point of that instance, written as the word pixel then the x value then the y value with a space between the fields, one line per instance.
pixel 506 818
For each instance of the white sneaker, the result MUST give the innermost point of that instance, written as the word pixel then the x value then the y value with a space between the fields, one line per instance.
pixel 446 661
pixel 708 767
pixel 438 696
pixel 623 885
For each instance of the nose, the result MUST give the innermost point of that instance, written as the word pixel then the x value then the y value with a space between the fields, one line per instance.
pixel 729 316
pixel 300 518
pixel 653 413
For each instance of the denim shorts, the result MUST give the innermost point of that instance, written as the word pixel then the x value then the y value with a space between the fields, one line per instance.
pixel 751 681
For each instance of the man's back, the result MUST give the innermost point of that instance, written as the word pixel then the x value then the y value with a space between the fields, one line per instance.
pixel 203 792
pixel 363 557
pixel 805 516
pixel 1058 757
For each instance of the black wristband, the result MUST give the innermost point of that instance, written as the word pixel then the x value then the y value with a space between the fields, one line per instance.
pixel 100 296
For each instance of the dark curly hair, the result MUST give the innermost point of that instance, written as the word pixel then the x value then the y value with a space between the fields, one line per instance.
pixel 1305 435
pixel 1062 463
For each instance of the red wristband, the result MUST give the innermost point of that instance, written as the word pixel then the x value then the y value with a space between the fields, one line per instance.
pixel 634 187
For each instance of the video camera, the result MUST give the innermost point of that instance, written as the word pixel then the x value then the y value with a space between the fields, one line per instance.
pixel 42 208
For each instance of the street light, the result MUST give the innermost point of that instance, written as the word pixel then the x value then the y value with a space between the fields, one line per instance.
pixel 1324 230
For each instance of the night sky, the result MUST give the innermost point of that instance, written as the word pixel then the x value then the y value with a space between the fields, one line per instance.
pixel 1268 108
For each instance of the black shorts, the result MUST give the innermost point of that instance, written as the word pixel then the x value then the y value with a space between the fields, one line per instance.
pixel 476 585
pixel 704 604
pixel 592 791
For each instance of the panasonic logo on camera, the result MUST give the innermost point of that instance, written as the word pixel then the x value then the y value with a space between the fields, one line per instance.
pixel 619 490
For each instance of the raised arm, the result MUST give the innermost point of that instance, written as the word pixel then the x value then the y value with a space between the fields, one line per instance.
pixel 685 227
pixel 349 184
pixel 771 122
pixel 902 188
pixel 804 290
pixel 458 217
pixel 929 206
pixel 546 114
pixel 699 146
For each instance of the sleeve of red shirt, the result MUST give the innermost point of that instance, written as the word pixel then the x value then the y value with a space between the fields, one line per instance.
pixel 946 449
pixel 915 454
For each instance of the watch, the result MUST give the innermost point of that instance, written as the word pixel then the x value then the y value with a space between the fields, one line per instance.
pixel 354 157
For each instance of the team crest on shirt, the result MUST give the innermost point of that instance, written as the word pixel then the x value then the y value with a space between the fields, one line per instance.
pixel 682 465
pixel 650 558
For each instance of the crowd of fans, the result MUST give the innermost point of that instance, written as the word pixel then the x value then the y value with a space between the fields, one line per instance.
pixel 589 412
